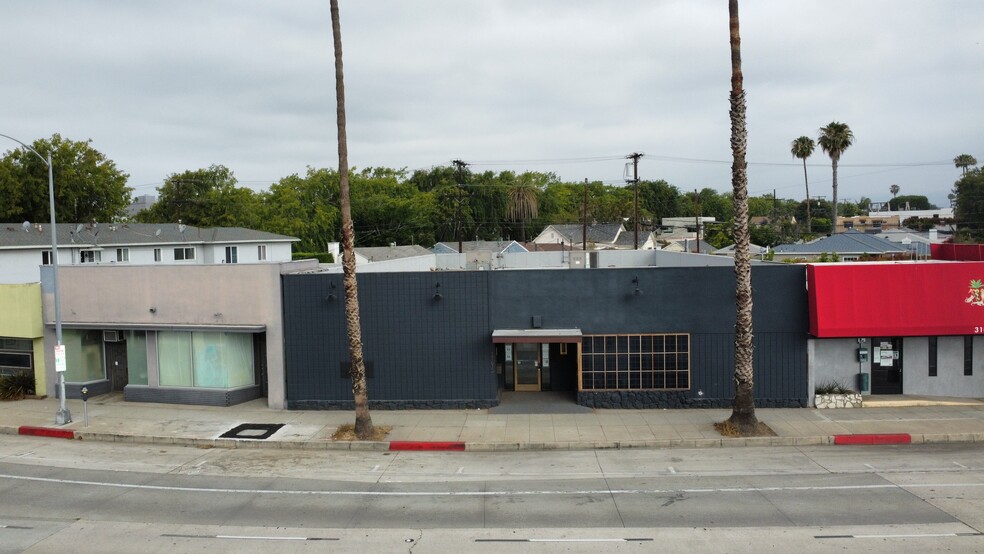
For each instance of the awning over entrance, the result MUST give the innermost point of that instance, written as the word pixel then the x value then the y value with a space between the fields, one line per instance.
pixel 896 299
pixel 535 335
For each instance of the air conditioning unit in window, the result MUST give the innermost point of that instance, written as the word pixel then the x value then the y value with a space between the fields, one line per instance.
pixel 112 336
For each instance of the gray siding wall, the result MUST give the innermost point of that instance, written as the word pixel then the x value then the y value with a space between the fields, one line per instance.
pixel 836 359
pixel 950 379
pixel 441 351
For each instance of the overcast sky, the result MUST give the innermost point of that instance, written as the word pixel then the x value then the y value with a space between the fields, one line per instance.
pixel 550 85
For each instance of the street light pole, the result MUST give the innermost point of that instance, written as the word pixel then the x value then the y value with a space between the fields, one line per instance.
pixel 62 416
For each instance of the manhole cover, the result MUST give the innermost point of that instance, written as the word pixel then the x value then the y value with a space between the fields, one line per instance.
pixel 254 431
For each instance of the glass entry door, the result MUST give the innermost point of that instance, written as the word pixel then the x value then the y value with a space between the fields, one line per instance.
pixel 527 366
pixel 886 365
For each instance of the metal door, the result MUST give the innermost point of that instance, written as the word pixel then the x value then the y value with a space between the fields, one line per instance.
pixel 116 368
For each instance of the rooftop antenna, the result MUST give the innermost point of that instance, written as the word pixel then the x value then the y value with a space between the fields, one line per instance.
pixel 26 226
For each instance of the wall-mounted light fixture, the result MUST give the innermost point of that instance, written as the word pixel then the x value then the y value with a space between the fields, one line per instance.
pixel 437 292
pixel 637 291
pixel 331 293
pixel 153 310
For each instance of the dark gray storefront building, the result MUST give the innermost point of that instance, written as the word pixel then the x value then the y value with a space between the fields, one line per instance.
pixel 614 338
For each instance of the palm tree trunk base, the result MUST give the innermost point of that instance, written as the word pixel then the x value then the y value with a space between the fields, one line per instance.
pixel 364 427
pixel 743 411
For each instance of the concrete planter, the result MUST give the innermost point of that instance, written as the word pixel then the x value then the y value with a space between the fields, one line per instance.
pixel 851 400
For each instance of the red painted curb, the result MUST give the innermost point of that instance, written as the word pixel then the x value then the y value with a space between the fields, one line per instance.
pixel 412 445
pixel 880 438
pixel 46 432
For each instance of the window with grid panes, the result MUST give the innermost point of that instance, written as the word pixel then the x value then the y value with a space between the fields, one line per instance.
pixel 635 362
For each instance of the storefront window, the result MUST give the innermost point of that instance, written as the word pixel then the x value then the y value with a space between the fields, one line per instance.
pixel 174 358
pixel 136 357
pixel 205 359
pixel 83 355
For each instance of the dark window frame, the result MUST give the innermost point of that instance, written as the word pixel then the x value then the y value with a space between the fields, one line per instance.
pixel 933 356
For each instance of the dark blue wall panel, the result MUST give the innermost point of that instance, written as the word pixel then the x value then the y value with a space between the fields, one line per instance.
pixel 428 352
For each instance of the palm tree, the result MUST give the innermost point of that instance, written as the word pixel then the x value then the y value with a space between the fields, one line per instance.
pixel 894 189
pixel 834 139
pixel 963 161
pixel 522 203
pixel 743 409
pixel 802 148
pixel 363 421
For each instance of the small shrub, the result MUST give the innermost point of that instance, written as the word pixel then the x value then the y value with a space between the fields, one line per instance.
pixel 322 257
pixel 16 386
pixel 832 387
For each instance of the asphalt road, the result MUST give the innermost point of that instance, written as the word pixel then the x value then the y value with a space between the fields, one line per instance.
pixel 58 495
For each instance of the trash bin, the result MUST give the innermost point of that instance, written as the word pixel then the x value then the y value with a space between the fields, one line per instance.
pixel 864 382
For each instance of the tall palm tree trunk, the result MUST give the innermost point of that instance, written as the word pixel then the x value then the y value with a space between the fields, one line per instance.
pixel 363 421
pixel 806 179
pixel 743 409
pixel 833 219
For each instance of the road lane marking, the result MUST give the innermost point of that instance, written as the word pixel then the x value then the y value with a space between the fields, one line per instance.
pixel 671 470
pixel 961 466
pixel 249 537
pixel 567 540
pixel 899 536
pixel 503 493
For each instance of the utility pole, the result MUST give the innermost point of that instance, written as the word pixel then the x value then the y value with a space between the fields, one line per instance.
pixel 697 219
pixel 460 165
pixel 584 215
pixel 635 180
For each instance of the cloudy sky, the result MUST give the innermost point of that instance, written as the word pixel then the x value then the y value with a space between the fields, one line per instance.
pixel 566 86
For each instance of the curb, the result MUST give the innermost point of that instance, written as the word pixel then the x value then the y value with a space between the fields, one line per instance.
pixel 459 446
pixel 45 432
pixel 873 439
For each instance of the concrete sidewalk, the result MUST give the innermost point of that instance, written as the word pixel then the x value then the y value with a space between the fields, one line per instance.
pixel 924 420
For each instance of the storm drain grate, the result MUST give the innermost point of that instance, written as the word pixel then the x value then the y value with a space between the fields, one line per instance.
pixel 254 431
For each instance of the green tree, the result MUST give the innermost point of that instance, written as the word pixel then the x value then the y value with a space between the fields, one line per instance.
pixel 894 189
pixel 743 409
pixel 964 162
pixel 658 199
pixel 968 212
pixel 88 186
pixel 802 148
pixel 764 235
pixel 522 201
pixel 205 197
pixel 710 203
pixel 822 225
pixel 914 201
pixel 834 139
pixel 304 207
pixel 363 420
pixel 390 210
